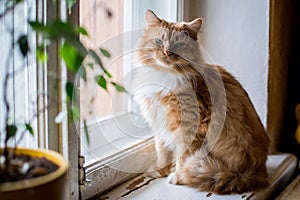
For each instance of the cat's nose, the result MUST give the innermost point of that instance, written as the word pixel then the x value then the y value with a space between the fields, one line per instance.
pixel 167 53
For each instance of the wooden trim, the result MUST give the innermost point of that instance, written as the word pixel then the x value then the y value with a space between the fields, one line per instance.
pixel 292 191
pixel 73 135
pixel 279 48
pixel 186 10
pixel 52 88
pixel 41 82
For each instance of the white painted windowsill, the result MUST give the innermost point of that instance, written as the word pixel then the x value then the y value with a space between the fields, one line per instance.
pixel 281 167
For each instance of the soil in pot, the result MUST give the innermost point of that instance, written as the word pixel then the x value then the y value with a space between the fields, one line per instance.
pixel 26 167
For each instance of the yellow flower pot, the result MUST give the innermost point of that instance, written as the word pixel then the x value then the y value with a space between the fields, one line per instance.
pixel 53 186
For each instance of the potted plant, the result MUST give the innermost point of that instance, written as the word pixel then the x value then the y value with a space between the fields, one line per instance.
pixel 44 175
pixel 37 173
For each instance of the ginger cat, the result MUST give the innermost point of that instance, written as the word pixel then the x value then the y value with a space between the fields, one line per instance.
pixel 209 135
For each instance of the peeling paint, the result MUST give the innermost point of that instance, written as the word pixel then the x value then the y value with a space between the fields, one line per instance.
pixel 137 187
pixel 104 198
pixel 135 183
pixel 280 169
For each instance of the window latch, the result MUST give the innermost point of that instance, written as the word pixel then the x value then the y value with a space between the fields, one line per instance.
pixel 83 181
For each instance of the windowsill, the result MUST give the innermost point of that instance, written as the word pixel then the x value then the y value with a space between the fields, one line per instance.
pixel 110 135
pixel 108 150
pixel 292 191
pixel 281 168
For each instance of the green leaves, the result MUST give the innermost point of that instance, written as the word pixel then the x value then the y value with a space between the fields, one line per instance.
pixel 41 54
pixel 57 30
pixel 37 26
pixel 86 132
pixel 105 53
pixel 23 44
pixel 69 90
pixel 91 65
pixel 75 113
pixel 11 131
pixel 99 62
pixel 29 129
pixel 82 31
pixel 118 87
pixel 82 73
pixel 101 81
pixel 72 51
pixel 71 56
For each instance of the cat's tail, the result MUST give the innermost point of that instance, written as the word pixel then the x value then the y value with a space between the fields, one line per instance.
pixel 214 176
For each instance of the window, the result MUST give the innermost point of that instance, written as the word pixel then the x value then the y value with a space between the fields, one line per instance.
pixel 118 140
pixel 125 21
pixel 32 88
pixel 22 82
pixel 109 110
pixel 225 42
pixel 118 137
pixel 35 86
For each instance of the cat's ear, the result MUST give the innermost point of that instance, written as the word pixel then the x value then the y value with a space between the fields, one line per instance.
pixel 195 25
pixel 151 19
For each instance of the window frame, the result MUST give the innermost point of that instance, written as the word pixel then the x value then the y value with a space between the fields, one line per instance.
pixel 61 137
pixel 33 81
pixel 48 134
pixel 186 16
pixel 99 176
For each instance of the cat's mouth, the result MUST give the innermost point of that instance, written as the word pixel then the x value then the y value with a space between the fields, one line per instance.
pixel 166 61
pixel 169 57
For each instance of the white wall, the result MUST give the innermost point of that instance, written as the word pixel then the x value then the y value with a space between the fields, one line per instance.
pixel 235 34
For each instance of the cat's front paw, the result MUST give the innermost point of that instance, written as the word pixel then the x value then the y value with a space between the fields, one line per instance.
pixel 153 173
pixel 172 178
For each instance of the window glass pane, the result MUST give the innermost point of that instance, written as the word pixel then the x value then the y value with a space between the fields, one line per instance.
pixel 102 20
pixel 115 26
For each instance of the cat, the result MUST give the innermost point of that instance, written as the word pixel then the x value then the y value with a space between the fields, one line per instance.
pixel 208 134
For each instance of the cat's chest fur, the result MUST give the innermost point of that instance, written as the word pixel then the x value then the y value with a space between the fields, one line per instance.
pixel 150 87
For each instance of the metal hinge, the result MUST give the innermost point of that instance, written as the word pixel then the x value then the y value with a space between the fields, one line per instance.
pixel 83 181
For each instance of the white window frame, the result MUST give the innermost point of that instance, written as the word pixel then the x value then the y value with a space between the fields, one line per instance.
pixel 100 174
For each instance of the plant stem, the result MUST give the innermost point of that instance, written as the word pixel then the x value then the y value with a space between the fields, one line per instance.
pixel 7 107
pixel 6 11
pixel 7 110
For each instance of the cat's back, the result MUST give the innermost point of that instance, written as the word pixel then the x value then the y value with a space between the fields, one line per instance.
pixel 242 120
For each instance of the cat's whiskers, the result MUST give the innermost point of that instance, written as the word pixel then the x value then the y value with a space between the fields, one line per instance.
pixel 141 58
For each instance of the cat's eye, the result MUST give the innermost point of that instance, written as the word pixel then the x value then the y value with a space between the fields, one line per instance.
pixel 184 32
pixel 158 41
pixel 179 45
